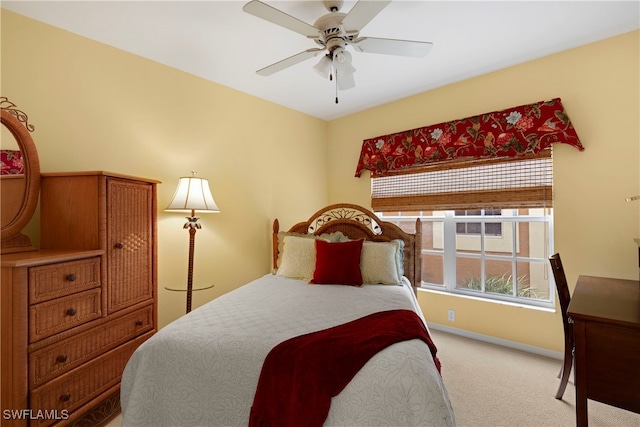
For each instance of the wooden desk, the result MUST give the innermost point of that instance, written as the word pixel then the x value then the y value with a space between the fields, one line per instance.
pixel 606 316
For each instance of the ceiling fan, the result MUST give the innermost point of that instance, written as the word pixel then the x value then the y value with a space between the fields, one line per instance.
pixel 334 32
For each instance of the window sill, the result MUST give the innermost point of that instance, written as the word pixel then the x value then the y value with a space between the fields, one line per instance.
pixel 489 300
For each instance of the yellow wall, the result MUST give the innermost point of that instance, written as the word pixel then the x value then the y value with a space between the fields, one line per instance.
pixel 594 227
pixel 98 108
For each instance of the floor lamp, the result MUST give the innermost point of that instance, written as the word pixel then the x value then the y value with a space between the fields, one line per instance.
pixel 192 195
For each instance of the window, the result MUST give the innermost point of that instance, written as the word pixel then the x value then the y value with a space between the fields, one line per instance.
pixel 487 224
pixel 509 266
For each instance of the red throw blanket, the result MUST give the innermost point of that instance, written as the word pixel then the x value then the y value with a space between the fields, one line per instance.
pixel 301 375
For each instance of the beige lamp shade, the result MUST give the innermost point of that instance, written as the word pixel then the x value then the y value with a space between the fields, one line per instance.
pixel 192 194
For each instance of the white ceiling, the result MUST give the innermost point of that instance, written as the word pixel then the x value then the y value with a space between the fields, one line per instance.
pixel 217 41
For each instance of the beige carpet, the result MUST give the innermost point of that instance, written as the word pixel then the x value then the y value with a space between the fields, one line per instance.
pixel 490 385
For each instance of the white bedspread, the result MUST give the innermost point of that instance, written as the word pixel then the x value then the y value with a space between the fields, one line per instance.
pixel 203 369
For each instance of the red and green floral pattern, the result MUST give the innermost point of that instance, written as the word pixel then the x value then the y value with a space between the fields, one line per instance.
pixel 527 129
pixel 12 163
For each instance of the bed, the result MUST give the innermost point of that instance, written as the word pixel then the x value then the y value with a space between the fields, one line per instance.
pixel 209 368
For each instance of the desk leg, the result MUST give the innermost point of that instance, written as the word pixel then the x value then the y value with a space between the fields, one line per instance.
pixel 579 333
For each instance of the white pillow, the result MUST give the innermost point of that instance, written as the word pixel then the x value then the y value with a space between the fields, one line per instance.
pixel 381 262
pixel 298 258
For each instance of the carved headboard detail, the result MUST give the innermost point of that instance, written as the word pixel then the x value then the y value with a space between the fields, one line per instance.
pixel 357 222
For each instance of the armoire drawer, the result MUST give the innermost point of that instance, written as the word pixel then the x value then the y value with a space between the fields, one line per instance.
pixel 56 359
pixel 51 317
pixel 79 386
pixel 51 281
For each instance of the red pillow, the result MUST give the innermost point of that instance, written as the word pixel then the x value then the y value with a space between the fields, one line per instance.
pixel 338 262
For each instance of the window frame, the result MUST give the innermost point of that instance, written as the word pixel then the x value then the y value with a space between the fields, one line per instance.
pixel 450 253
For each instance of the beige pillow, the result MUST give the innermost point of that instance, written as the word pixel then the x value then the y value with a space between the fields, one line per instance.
pixel 298 259
pixel 333 237
pixel 381 262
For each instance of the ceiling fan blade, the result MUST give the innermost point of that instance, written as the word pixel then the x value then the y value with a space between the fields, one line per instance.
pixel 361 13
pixel 271 14
pixel 288 62
pixel 412 48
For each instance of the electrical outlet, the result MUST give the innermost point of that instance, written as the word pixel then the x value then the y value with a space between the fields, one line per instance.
pixel 451 315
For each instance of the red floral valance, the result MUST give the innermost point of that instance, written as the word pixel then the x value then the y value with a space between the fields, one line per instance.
pixel 527 129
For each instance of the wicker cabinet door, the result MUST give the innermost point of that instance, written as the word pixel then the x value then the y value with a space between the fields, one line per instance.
pixel 129 243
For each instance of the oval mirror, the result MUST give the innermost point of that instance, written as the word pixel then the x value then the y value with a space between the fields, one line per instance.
pixel 19 180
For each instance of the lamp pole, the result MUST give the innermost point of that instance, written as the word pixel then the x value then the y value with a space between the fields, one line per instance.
pixel 193 225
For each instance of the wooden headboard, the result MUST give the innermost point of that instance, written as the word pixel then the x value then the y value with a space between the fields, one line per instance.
pixel 356 222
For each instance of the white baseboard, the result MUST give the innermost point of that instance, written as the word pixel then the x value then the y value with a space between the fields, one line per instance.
pixel 498 341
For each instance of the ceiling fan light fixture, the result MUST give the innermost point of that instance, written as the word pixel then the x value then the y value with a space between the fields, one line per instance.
pixel 342 57
pixel 323 67
pixel 342 61
pixel 345 80
pixel 346 68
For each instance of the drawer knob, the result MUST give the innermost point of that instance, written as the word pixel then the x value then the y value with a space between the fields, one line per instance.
pixel 119 245
pixel 138 322
pixel 62 358
pixel 65 397
pixel 71 312
pixel 71 277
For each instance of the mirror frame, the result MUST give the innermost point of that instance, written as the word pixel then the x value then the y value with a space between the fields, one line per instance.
pixel 12 239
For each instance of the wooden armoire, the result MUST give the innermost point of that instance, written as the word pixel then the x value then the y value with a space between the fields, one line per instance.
pixel 74 311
